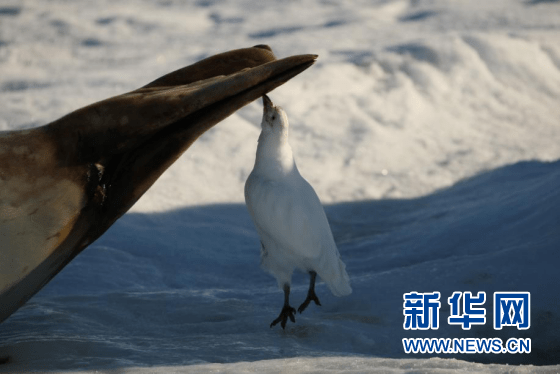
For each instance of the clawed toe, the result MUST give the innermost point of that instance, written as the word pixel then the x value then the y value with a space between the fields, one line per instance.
pixel 310 297
pixel 303 306
pixel 287 312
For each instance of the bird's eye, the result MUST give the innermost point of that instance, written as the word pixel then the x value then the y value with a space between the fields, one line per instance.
pixel 273 118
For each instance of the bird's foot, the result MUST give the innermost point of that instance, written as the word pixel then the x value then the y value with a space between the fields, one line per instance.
pixel 311 296
pixel 287 312
pixel 4 360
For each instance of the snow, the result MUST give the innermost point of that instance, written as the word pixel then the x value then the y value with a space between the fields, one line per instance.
pixel 428 128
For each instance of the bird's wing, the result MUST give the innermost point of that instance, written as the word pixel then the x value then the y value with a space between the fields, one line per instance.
pixel 291 215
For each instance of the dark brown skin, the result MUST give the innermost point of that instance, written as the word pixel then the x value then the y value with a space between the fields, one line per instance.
pixel 114 150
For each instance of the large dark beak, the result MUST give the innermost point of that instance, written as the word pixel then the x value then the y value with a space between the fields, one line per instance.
pixel 85 170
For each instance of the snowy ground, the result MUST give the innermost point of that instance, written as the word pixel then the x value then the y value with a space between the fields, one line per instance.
pixel 430 130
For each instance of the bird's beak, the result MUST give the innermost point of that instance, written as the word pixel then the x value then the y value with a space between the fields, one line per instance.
pixel 267 103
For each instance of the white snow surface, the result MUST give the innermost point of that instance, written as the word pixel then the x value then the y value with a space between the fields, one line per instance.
pixel 429 128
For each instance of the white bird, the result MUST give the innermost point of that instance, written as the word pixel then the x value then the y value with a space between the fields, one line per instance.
pixel 289 217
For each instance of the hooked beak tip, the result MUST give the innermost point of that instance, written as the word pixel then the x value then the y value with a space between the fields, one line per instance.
pixel 267 102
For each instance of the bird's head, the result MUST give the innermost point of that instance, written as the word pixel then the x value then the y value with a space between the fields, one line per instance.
pixel 274 121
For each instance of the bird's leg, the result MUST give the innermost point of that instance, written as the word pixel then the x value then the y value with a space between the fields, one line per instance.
pixel 287 310
pixel 311 293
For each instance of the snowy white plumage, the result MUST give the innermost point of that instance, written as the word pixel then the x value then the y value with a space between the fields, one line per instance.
pixel 287 213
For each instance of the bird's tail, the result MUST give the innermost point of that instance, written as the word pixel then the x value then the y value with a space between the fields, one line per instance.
pixel 337 279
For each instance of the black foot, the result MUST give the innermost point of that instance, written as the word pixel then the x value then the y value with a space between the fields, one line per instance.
pixel 4 360
pixel 287 312
pixel 310 297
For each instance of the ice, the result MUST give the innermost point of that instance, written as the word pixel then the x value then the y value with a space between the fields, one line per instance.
pixel 428 128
